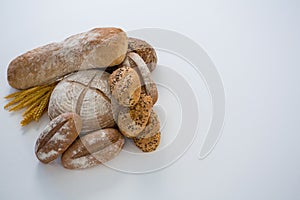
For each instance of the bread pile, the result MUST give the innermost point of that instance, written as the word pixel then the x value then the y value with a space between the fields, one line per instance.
pixel 104 93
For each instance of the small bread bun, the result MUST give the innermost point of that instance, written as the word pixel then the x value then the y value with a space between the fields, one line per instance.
pixel 133 120
pixel 148 144
pixel 125 86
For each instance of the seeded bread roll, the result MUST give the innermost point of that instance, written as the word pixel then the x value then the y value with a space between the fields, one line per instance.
pixel 152 127
pixel 149 139
pixel 125 86
pixel 98 48
pixel 148 144
pixel 133 120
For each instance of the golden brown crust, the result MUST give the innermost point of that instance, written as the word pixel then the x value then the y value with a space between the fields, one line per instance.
pixel 148 144
pixel 98 48
pixel 58 135
pixel 93 149
pixel 125 86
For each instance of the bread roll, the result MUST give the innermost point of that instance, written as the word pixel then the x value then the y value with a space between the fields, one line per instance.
pixel 98 48
pixel 125 86
pixel 132 120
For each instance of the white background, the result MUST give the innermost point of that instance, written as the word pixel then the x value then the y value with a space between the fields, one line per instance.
pixel 255 46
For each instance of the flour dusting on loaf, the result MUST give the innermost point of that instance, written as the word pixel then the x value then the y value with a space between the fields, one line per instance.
pixel 98 48
pixel 86 93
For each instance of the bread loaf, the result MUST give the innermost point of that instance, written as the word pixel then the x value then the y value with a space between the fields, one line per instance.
pixel 57 136
pixel 98 48
pixel 86 93
pixel 93 149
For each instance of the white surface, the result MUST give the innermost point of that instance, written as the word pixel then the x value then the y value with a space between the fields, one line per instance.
pixel 255 46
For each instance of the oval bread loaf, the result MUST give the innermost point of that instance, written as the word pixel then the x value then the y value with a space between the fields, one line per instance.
pixel 58 135
pixel 93 149
pixel 97 48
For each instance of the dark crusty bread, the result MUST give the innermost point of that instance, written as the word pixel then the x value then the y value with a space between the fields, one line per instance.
pixel 58 135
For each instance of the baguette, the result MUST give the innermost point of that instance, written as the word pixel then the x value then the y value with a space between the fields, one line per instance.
pixel 97 48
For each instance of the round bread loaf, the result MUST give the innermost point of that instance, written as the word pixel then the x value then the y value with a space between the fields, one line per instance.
pixel 86 93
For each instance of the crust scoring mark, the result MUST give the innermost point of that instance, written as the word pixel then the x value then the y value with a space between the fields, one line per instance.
pixel 51 133
pixel 83 93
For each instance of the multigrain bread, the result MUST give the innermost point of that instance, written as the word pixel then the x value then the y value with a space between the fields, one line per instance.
pixel 132 120
pixel 149 139
pixel 57 136
pixel 148 144
pixel 97 48
pixel 152 127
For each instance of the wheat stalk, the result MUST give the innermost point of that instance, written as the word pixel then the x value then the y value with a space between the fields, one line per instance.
pixel 36 100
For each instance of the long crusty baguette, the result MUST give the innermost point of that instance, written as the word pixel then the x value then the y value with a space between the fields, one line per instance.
pixel 97 48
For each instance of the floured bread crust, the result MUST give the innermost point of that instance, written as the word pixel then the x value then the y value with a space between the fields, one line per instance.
pixel 98 48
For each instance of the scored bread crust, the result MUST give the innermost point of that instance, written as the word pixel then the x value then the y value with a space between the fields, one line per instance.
pixel 86 93
pixel 93 149
pixel 97 48
pixel 57 136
